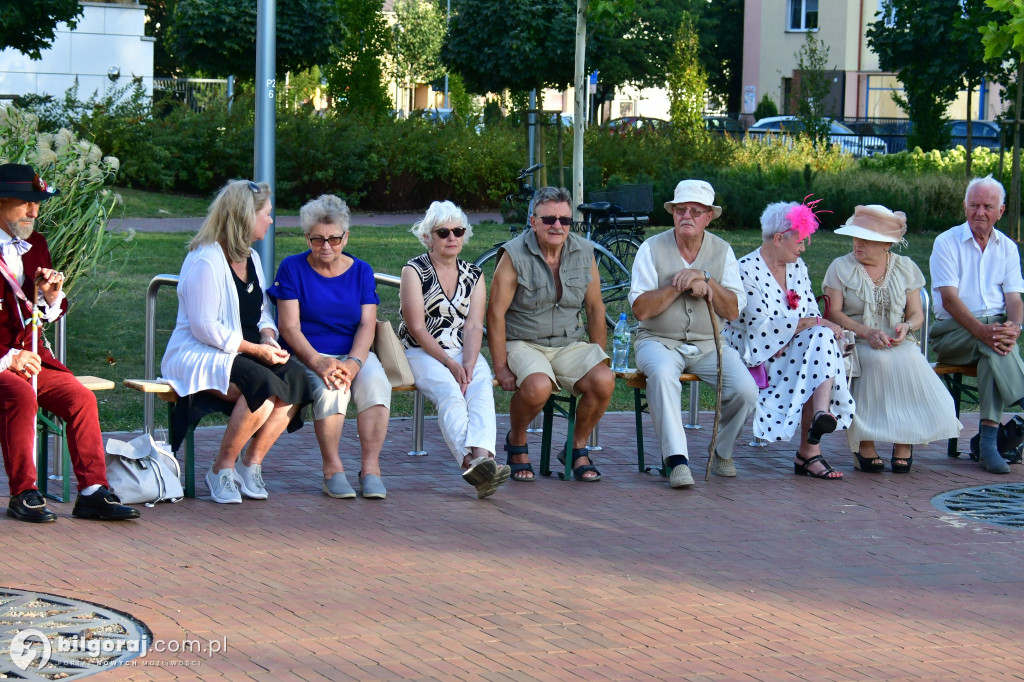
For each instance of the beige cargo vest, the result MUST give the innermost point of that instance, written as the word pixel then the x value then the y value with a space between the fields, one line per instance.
pixel 534 315
pixel 686 319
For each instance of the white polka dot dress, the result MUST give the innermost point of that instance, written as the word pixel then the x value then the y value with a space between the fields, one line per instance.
pixel 796 363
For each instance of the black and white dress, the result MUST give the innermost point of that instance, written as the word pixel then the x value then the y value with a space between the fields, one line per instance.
pixel 444 317
pixel 796 363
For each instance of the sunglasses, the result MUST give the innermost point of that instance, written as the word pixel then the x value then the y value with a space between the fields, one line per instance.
pixel 444 232
pixel 254 187
pixel 552 219
pixel 318 242
pixel 694 212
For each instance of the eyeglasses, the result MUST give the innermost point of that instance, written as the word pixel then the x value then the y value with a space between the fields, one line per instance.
pixel 254 187
pixel 681 211
pixel 443 232
pixel 318 242
pixel 551 220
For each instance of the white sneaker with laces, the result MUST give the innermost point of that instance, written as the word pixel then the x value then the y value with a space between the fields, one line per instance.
pixel 250 480
pixel 222 487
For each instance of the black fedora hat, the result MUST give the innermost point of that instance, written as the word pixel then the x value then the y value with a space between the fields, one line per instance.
pixel 20 181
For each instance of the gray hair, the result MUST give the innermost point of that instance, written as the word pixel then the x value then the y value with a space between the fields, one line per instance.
pixel 441 213
pixel 774 220
pixel 987 182
pixel 550 195
pixel 326 209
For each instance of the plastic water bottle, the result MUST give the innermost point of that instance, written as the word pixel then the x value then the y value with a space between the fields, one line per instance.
pixel 620 344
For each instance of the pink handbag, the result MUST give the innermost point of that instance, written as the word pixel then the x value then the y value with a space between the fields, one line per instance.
pixel 760 375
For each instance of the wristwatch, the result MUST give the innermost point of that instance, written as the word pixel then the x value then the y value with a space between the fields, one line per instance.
pixel 707 276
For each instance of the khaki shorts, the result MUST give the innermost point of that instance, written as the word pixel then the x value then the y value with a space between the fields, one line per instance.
pixel 370 387
pixel 564 365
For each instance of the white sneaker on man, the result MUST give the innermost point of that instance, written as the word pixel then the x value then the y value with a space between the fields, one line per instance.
pixel 250 480
pixel 222 486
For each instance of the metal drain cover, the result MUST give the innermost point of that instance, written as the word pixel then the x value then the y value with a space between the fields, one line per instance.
pixel 999 504
pixel 46 637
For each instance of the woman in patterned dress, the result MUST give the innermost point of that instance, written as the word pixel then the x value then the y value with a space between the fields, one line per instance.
pixel 876 294
pixel 327 311
pixel 782 332
pixel 443 304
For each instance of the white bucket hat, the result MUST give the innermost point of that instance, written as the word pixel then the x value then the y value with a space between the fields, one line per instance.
pixel 875 223
pixel 696 191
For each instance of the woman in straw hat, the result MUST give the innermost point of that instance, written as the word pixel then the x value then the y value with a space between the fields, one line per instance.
pixel 876 294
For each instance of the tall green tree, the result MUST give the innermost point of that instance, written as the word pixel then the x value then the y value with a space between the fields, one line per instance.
pixel 29 26
pixel 687 83
pixel 933 47
pixel 812 62
pixel 218 37
pixel 720 27
pixel 417 35
pixel 159 14
pixel 355 76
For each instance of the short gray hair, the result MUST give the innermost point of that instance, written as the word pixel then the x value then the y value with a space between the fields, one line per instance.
pixel 441 213
pixel 774 220
pixel 989 182
pixel 326 209
pixel 550 195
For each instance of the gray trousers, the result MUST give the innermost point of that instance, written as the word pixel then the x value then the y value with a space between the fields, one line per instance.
pixel 664 391
pixel 1000 377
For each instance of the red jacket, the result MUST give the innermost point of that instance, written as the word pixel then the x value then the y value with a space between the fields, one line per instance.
pixel 12 335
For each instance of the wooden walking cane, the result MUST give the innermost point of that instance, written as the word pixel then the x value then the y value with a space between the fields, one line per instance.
pixel 718 390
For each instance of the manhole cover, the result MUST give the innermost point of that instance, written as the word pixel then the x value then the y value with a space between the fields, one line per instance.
pixel 999 504
pixel 45 637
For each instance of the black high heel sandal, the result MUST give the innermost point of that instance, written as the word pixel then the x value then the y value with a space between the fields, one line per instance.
pixel 800 468
pixel 823 422
pixel 867 464
pixel 907 462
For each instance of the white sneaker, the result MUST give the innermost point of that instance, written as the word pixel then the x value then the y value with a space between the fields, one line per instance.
pixel 222 487
pixel 681 476
pixel 250 480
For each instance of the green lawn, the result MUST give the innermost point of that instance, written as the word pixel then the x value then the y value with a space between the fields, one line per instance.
pixel 106 327
pixel 141 204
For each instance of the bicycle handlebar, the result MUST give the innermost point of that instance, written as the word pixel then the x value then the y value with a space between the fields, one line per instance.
pixel 532 169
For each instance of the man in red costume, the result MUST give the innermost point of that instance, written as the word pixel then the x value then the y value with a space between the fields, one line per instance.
pixel 27 277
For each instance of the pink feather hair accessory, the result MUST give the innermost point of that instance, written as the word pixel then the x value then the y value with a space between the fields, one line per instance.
pixel 803 217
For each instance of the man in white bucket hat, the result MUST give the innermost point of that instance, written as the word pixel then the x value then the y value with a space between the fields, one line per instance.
pixel 674 274
pixel 976 287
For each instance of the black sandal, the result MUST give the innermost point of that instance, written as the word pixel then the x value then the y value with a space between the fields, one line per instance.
pixel 577 473
pixel 519 467
pixel 907 461
pixel 823 422
pixel 867 464
pixel 801 468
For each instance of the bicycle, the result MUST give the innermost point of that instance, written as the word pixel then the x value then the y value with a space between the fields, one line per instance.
pixel 609 245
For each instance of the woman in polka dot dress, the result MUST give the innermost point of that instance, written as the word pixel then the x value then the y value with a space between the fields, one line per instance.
pixel 781 330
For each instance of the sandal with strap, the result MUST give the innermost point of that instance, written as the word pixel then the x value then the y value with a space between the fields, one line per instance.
pixel 901 465
pixel 577 472
pixel 518 467
pixel 801 468
pixel 868 464
pixel 823 422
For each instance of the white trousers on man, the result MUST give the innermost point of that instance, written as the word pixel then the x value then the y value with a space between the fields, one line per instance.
pixel 466 421
pixel 664 365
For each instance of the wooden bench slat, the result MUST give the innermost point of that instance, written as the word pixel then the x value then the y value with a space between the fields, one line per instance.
pixel 637 379
pixel 96 383
pixel 966 370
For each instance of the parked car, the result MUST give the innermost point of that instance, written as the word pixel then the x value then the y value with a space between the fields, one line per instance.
pixel 983 134
pixel 432 115
pixel 633 124
pixel 723 125
pixel 847 140
pixel 564 119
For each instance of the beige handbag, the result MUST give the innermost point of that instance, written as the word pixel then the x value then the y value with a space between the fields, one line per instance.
pixel 391 354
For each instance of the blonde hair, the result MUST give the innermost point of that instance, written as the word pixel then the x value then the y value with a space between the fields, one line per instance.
pixel 440 213
pixel 230 218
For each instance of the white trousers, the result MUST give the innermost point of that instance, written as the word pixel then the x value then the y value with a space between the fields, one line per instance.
pixel 664 391
pixel 466 421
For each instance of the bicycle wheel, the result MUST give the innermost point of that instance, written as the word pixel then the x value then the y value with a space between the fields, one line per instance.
pixel 621 245
pixel 615 282
pixel 487 261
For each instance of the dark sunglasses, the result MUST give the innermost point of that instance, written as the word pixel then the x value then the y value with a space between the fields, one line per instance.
pixel 444 232
pixel 254 187
pixel 551 219
pixel 319 241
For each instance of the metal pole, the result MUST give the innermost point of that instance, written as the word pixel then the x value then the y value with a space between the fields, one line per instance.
pixel 231 91
pixel 579 110
pixel 447 21
pixel 266 95
pixel 1015 190
pixel 531 117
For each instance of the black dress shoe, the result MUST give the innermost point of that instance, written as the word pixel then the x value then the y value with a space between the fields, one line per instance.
pixel 103 505
pixel 30 506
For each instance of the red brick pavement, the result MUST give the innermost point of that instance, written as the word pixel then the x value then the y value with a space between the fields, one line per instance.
pixel 763 577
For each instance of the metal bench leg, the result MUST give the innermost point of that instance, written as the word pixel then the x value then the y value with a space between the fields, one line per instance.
pixel 694 406
pixel 545 439
pixel 955 385
pixel 570 431
pixel 638 413
pixel 417 425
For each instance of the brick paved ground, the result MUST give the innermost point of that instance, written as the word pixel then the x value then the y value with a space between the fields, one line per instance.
pixel 763 577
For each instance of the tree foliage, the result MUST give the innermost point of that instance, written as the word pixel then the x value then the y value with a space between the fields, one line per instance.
pixel 934 49
pixel 29 26
pixel 355 77
pixel 812 61
pixel 218 37
pixel 1001 33
pixel 720 28
pixel 687 82
pixel 416 41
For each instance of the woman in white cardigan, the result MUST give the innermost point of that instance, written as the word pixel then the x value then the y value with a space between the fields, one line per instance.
pixel 224 344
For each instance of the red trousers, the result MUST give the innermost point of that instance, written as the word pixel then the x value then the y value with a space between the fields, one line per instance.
pixel 64 395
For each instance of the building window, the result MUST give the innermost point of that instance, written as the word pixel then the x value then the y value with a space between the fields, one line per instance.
pixel 803 15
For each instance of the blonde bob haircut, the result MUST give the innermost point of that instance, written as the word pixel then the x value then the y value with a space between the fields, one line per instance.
pixel 230 218
pixel 441 213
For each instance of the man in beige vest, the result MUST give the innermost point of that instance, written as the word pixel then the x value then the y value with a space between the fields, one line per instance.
pixel 673 273
pixel 543 280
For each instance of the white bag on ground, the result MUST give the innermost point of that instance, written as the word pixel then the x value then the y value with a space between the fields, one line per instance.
pixel 143 470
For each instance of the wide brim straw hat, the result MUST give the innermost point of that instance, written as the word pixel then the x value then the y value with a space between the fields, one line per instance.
pixel 875 223
pixel 696 191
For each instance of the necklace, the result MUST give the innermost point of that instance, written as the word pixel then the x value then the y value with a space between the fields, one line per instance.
pixel 878 284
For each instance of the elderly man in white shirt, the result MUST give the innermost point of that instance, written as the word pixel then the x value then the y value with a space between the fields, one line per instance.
pixel 673 273
pixel 976 287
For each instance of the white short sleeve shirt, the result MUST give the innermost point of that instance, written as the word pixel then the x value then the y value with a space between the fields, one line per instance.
pixel 981 277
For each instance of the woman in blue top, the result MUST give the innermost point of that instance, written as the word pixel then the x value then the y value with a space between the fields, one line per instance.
pixel 327 312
